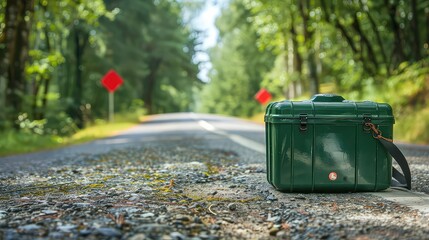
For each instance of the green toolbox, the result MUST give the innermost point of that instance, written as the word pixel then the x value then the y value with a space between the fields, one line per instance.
pixel 329 144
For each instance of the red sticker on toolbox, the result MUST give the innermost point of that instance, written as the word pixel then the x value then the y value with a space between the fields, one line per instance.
pixel 332 176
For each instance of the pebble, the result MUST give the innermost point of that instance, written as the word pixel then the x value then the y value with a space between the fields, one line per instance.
pixel 3 214
pixel 232 206
pixel 67 228
pixel 273 231
pixel 183 218
pixel 30 228
pixel 271 198
pixel 139 236
pixel 85 232
pixel 49 212
pixel 274 219
pixel 215 227
pixel 147 215
pixel 177 236
pixel 108 232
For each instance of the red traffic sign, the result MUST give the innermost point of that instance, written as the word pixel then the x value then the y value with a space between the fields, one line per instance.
pixel 263 96
pixel 111 81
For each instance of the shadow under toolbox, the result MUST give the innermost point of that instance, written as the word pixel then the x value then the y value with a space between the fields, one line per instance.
pixel 328 144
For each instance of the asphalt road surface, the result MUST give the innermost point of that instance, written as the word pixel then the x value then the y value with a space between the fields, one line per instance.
pixel 191 176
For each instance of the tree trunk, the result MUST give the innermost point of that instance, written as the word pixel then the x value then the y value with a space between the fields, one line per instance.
pixel 308 35
pixel 36 88
pixel 398 51
pixel 75 111
pixel 150 84
pixel 365 42
pixel 415 30
pixel 297 58
pixel 16 36
pixel 378 37
pixel 46 80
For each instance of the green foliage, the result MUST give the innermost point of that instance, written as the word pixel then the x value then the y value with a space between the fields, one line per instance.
pixel 55 125
pixel 72 44
pixel 238 65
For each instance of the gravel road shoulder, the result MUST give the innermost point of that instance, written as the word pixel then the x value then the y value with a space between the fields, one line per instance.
pixel 186 190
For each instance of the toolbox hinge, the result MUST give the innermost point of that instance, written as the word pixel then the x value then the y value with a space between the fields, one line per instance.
pixel 303 121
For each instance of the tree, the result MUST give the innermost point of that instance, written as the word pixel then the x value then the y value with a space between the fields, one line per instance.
pixel 238 65
pixel 14 52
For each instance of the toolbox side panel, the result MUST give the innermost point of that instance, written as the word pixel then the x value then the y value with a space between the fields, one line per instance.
pixel 366 161
pixel 334 158
pixel 281 158
pixel 267 151
pixel 302 158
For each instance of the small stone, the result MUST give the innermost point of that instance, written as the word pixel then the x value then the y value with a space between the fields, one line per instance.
pixel 273 219
pixel 3 214
pixel 232 206
pixel 161 219
pixel 85 232
pixel 281 234
pixel 82 205
pixel 67 228
pixel 3 224
pixel 56 235
pixel 215 227
pixel 147 215
pixel 108 232
pixel 183 218
pixel 197 220
pixel 271 198
pixel 177 236
pixel 30 228
pixel 14 209
pixel 196 205
pixel 139 236
pixel 49 212
pixel 273 231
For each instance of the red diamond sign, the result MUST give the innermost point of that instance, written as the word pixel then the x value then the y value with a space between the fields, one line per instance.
pixel 263 96
pixel 111 81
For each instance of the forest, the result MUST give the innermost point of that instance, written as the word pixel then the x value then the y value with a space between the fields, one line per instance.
pixel 53 54
pixel 360 49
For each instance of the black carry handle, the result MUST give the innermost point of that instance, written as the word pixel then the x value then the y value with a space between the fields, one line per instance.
pixel 400 180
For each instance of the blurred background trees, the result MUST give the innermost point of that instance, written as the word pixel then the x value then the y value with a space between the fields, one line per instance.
pixel 54 53
pixel 361 49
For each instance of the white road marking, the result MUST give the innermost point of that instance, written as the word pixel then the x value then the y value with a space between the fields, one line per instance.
pixel 418 201
pixel 207 126
pixel 245 142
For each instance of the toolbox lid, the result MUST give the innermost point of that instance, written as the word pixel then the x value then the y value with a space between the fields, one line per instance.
pixel 328 107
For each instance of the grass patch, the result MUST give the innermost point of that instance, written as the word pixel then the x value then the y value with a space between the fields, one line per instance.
pixel 259 118
pixel 99 130
pixel 15 142
pixel 413 127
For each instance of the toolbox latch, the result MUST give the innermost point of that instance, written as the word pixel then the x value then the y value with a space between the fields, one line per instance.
pixel 366 119
pixel 303 121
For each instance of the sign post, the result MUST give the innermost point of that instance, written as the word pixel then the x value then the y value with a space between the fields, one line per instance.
pixel 111 81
